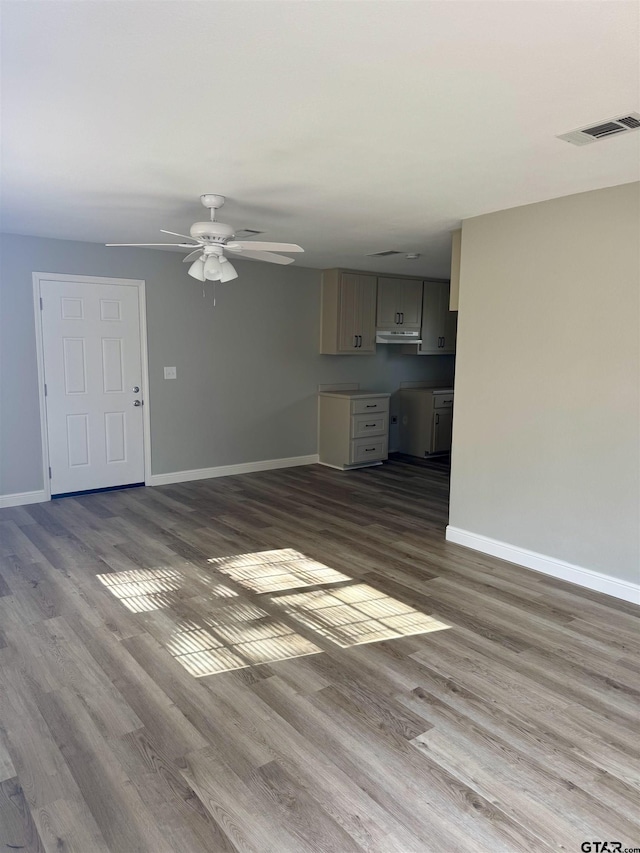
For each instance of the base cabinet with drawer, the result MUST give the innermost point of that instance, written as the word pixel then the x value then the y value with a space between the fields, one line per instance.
pixel 426 420
pixel 353 428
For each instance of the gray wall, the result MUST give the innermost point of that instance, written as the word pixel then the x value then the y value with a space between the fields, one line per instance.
pixel 248 369
pixel 546 436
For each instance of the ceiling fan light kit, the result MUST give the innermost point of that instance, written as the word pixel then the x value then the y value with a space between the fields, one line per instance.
pixel 212 239
pixel 228 272
pixel 197 269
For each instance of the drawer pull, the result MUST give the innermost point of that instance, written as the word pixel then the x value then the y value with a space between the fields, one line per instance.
pixel 370 425
pixel 372 406
pixel 369 449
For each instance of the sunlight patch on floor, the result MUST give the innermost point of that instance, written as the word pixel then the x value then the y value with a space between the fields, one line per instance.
pixel 356 614
pixel 234 637
pixel 210 633
pixel 142 590
pixel 273 571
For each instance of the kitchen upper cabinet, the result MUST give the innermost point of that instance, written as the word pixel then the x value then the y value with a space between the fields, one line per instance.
pixel 399 303
pixel 348 319
pixel 438 323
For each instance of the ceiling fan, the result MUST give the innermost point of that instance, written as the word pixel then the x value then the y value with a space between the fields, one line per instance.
pixel 212 239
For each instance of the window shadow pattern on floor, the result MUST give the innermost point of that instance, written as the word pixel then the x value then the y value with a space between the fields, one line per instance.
pixel 247 616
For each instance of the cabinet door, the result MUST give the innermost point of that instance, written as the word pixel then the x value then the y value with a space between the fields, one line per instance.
pixel 450 330
pixel 356 314
pixel 435 292
pixel 438 323
pixel 367 314
pixel 441 432
pixel 348 313
pixel 389 303
pixel 399 303
pixel 411 304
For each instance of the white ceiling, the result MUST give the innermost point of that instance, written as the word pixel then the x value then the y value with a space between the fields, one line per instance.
pixel 349 127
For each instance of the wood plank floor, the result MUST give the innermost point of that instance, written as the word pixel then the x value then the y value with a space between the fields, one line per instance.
pixel 296 661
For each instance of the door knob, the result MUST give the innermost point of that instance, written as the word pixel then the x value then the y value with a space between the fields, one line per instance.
pixel 137 403
pixel 135 389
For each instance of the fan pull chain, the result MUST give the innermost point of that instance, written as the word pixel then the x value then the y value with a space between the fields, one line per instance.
pixel 213 290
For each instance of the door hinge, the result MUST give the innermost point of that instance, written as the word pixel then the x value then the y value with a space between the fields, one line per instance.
pixel 49 472
pixel 41 303
pixel 45 389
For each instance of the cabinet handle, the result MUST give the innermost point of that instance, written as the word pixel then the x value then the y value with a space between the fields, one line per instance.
pixel 355 341
pixel 371 406
pixel 359 340
pixel 402 318
pixel 437 419
pixel 369 449
pixel 443 342
pixel 369 425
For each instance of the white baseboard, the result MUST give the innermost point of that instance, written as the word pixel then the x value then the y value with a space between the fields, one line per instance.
pixel 597 581
pixel 21 498
pixel 228 470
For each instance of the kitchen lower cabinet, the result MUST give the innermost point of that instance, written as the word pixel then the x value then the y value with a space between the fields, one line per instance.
pixel 441 431
pixel 353 428
pixel 426 418
pixel 348 314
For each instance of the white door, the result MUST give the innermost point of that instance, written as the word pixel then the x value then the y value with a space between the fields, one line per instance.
pixel 93 376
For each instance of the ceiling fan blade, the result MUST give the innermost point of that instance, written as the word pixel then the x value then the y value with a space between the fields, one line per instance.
pixel 261 256
pixel 258 246
pixel 175 234
pixel 192 255
pixel 182 245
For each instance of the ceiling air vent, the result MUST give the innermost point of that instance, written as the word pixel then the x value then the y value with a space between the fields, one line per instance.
pixel 383 254
pixel 602 130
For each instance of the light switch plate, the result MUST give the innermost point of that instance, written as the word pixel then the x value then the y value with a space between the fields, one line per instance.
pixel 170 373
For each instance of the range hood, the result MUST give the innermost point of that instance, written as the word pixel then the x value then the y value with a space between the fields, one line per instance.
pixel 398 336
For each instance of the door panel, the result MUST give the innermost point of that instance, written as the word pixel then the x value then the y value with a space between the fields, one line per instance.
pixel 112 366
pixel 92 361
pixel 77 440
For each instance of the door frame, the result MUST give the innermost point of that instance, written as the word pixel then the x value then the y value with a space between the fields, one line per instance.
pixel 38 279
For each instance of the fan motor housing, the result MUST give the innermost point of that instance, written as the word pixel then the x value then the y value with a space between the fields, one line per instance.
pixel 211 232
